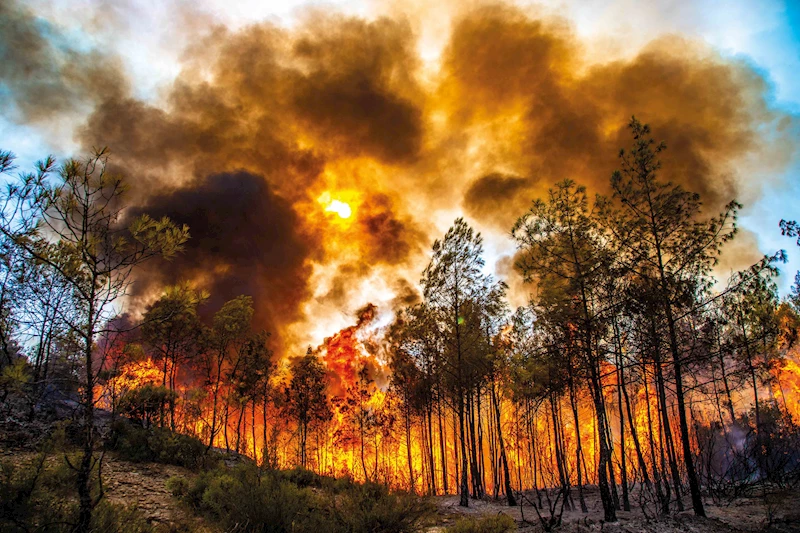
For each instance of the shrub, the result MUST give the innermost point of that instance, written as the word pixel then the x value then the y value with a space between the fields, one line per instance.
pixel 38 495
pixel 301 477
pixel 371 507
pixel 499 523
pixel 159 445
pixel 248 499
pixel 178 486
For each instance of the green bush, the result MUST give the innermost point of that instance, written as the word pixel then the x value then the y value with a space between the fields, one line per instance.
pixel 178 486
pixel 159 445
pixel 372 507
pixel 248 499
pixel 302 477
pixel 499 523
pixel 39 495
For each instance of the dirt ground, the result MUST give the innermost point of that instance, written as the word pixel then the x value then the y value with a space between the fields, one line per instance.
pixel 144 485
pixel 743 515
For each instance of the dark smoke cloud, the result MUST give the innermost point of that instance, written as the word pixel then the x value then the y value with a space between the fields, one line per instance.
pixel 492 197
pixel 244 240
pixel 388 239
pixel 356 94
pixel 406 294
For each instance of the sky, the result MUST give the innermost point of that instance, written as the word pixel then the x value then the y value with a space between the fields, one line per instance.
pixel 252 121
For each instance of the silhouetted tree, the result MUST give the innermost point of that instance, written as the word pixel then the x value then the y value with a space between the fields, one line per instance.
pixel 306 399
pixel 662 238
pixel 457 294
pixel 172 329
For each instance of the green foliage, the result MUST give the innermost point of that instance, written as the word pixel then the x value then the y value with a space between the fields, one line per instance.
pixel 178 486
pixel 37 494
pixel 248 499
pixel 251 499
pixel 159 445
pixel 233 319
pixel 15 376
pixel 302 477
pixel 145 402
pixel 371 507
pixel 500 523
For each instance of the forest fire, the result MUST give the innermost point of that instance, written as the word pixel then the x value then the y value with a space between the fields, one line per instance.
pixel 787 386
pixel 469 271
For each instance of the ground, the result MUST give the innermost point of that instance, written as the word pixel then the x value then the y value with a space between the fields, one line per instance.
pixel 144 485
pixel 743 515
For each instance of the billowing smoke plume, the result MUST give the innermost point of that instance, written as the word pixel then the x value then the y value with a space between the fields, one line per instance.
pixel 42 74
pixel 552 115
pixel 265 127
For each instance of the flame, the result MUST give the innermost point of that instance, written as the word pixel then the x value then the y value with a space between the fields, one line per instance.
pixel 787 386
pixel 369 438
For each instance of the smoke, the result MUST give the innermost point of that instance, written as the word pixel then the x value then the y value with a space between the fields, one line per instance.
pixel 263 121
pixel 44 75
pixel 244 240
pixel 556 115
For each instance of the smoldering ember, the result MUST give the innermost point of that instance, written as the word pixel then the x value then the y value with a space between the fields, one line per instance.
pixel 390 267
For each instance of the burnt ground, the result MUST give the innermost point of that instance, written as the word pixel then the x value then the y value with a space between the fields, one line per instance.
pixel 744 514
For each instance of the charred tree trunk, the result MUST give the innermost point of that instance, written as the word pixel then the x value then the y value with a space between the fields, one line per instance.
pixel 512 501
pixel 442 454
pixel 578 445
pixel 609 510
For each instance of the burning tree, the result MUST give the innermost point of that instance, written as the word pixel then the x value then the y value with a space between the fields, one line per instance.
pixel 460 298
pixel 306 399
pixel 562 253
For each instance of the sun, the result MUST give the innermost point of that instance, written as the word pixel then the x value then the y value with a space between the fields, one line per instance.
pixel 336 206
pixel 340 208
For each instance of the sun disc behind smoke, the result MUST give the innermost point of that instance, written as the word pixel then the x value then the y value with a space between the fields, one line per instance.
pixel 340 208
pixel 336 206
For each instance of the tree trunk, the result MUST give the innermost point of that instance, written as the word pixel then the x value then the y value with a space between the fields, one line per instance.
pixel 443 455
pixel 609 510
pixel 663 495
pixel 578 445
pixel 83 477
pixel 636 444
pixel 464 499
pixel 409 455
pixel 512 501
